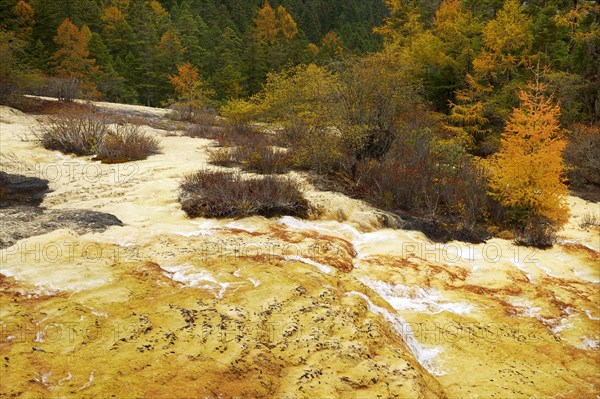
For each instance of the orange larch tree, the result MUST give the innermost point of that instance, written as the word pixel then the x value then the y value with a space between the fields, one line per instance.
pixel 266 23
pixel 26 18
pixel 527 174
pixel 72 58
pixel 286 24
pixel 191 89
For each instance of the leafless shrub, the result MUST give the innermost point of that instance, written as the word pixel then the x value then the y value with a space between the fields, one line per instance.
pixel 262 159
pixel 126 143
pixel 537 232
pixel 439 184
pixel 222 156
pixel 206 132
pixel 200 116
pixel 232 135
pixel 228 194
pixel 252 153
pixel 179 112
pixel 589 220
pixel 205 117
pixel 65 89
pixel 88 133
pixel 78 133
pixel 402 180
pixel 227 135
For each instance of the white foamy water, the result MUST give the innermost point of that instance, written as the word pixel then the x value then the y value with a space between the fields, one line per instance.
pixel 329 228
pixel 125 244
pixel 590 344
pixel 243 224
pixel 198 278
pixel 546 270
pixel 65 379
pixel 89 381
pixel 587 275
pixel 575 242
pixel 204 227
pixel 323 268
pixel 564 324
pixel 590 316
pixel 416 299
pixel 49 272
pixel 526 308
pixel 201 232
pixel 254 282
pixel 465 252
pixel 37 291
pixel 425 356
pixel 188 275
pixel 43 378
pixel 208 227
pixel 361 242
pixel 365 243
pixel 374 237
pixel 521 267
pixel 39 337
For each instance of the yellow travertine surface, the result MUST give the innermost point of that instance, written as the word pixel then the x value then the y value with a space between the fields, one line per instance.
pixel 165 306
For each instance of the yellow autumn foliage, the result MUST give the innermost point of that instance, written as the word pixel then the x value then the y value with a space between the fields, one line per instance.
pixel 527 174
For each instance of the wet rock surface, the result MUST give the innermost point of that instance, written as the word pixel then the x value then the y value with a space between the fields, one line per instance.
pixel 22 217
pixel 20 222
pixel 21 190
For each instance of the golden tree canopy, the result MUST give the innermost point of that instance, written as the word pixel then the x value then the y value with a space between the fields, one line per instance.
pixel 266 23
pixel 191 90
pixel 26 16
pixel 528 172
pixel 72 58
pixel 507 41
pixel 286 23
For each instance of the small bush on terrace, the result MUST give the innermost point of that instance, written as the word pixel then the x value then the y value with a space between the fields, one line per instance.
pixel 78 134
pixel 242 145
pixel 227 135
pixel 126 143
pixel 227 194
pixel 257 158
pixel 88 133
pixel 589 220
pixel 263 159
pixel 250 149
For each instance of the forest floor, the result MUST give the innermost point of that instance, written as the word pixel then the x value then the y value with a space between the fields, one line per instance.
pixel 114 291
